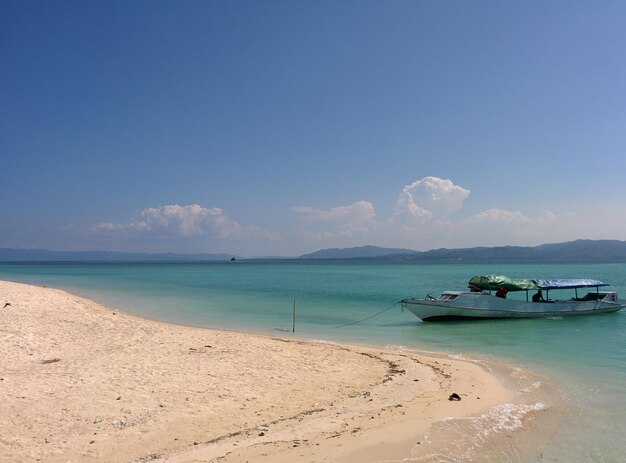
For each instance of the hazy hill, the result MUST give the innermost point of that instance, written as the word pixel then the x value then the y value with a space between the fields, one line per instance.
pixel 571 251
pixel 351 253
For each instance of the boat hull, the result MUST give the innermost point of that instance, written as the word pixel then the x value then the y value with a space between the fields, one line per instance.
pixel 485 306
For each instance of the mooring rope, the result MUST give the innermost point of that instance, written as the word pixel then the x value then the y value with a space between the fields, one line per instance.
pixel 371 316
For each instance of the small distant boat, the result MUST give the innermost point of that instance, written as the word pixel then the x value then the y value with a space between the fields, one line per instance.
pixel 481 300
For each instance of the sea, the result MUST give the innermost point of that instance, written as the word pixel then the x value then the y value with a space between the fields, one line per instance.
pixel 569 373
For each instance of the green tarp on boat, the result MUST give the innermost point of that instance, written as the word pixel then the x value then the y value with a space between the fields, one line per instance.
pixel 495 282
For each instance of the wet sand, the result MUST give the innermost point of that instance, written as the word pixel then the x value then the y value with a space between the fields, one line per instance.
pixel 83 383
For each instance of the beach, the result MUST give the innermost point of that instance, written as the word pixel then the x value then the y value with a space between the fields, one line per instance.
pixel 81 382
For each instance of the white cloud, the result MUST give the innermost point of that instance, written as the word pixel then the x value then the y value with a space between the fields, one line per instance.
pixel 429 198
pixel 175 220
pixel 502 226
pixel 420 215
pixel 495 215
pixel 502 216
pixel 354 220
pixel 422 219
pixel 361 211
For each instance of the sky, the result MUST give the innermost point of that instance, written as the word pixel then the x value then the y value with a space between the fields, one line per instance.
pixel 278 128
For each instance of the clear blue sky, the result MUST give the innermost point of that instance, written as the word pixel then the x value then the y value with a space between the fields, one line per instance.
pixel 278 128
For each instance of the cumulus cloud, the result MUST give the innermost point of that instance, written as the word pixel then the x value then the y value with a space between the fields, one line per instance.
pixel 429 198
pixel 345 221
pixel 421 219
pixel 175 220
pixel 421 211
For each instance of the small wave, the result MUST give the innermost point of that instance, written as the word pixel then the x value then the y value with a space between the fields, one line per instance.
pixel 519 373
pixel 400 347
pixel 322 341
pixel 533 387
pixel 506 417
pixel 472 434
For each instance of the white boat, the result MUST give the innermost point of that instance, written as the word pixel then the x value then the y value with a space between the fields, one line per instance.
pixel 481 301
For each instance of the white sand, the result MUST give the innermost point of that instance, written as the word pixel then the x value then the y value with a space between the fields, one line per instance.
pixel 82 383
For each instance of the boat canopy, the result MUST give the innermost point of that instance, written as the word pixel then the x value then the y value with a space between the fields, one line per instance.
pixel 567 284
pixel 495 282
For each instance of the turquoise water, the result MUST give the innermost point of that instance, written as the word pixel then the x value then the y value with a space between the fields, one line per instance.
pixel 583 357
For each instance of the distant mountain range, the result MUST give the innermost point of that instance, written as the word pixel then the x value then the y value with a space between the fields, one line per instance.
pixel 571 251
pixel 587 251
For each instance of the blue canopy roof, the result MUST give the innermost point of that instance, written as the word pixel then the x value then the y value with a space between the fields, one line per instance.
pixel 495 282
pixel 566 284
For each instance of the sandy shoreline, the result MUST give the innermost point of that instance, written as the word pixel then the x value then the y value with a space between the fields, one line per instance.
pixel 80 382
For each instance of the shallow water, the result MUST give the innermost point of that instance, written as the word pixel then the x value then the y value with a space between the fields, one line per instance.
pixel 584 358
